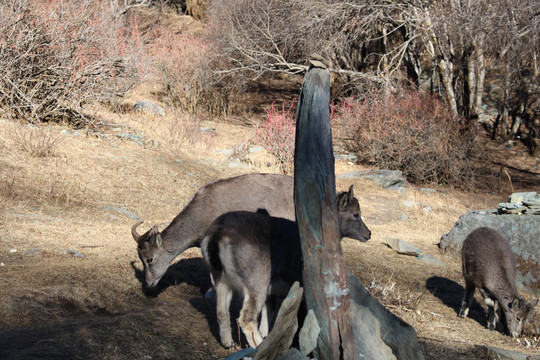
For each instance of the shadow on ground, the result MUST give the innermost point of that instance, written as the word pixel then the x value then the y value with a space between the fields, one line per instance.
pixel 451 294
pixel 189 271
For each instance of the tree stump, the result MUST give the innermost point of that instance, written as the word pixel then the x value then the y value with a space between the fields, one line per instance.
pixel 351 327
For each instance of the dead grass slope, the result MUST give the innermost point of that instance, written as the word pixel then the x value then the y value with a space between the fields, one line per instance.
pixel 70 282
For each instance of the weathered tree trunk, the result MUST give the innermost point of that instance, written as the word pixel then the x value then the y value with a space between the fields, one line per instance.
pixel 325 281
pixel 352 327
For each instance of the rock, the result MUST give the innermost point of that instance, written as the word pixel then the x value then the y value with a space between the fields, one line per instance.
pixel 149 107
pixel 374 345
pixel 309 334
pixel 70 132
pixel 511 208
pixel 122 211
pixel 292 354
pixel 521 231
pixel 390 179
pixel 430 259
pixel 346 157
pixel 285 326
pixel 208 129
pixel 520 197
pixel 136 138
pixel 521 203
pixel 402 247
pixel 255 149
pixel 501 354
pixel 74 253
pixel 32 251
pixel 532 210
pixel 238 164
pixel 532 202
pixel 410 204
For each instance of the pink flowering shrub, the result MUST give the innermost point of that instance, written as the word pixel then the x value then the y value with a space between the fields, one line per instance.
pixel 276 134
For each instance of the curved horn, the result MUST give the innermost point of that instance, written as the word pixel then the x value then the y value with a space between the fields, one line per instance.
pixel 134 233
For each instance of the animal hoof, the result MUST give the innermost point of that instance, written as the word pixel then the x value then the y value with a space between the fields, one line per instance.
pixel 228 345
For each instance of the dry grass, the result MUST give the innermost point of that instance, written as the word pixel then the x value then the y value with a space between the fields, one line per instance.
pixel 55 304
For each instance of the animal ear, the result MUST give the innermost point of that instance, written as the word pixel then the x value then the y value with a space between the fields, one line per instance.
pixel 343 201
pixel 155 236
pixel 263 212
pixel 159 240
pixel 351 191
pixel 514 304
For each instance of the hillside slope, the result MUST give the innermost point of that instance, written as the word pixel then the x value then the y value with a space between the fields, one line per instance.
pixel 70 279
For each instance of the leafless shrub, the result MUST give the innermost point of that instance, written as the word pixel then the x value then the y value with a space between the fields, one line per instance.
pixel 185 63
pixel 412 132
pixel 241 151
pixel 57 56
pixel 37 140
pixel 182 130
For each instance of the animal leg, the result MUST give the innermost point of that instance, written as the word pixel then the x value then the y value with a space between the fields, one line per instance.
pixel 248 318
pixel 494 313
pixel 263 327
pixel 467 300
pixel 224 297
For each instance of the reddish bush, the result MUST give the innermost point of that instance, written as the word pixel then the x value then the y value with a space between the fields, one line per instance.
pixel 412 132
pixel 277 135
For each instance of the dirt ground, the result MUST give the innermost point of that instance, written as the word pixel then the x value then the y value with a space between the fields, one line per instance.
pixel 70 278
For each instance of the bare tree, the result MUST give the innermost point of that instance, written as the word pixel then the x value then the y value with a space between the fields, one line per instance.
pixel 514 51
pixel 456 45
pixel 261 37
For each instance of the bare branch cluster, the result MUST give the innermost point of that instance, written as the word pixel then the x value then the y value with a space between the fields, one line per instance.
pixel 412 132
pixel 451 47
pixel 57 57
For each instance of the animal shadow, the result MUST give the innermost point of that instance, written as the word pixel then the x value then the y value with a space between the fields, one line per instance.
pixel 191 271
pixel 451 294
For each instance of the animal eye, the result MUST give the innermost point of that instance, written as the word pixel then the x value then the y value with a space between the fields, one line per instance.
pixel 356 216
pixel 149 260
